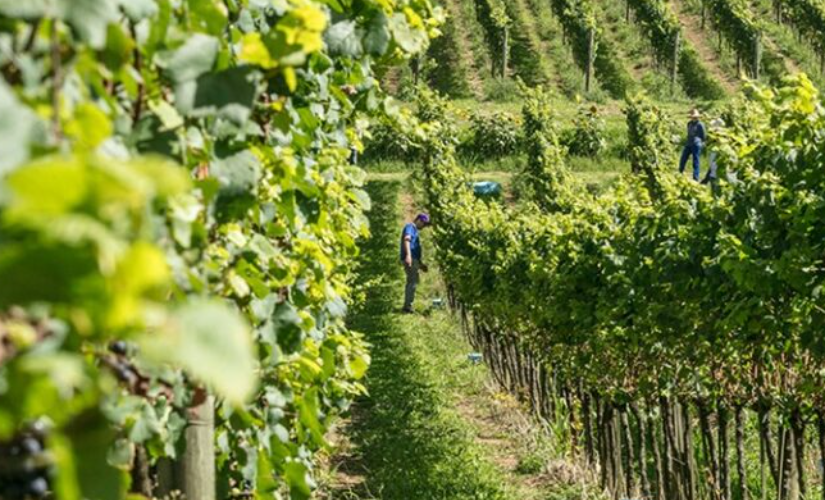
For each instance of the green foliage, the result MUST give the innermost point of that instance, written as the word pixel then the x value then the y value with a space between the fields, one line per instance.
pixel 587 137
pixel 696 79
pixel 651 151
pixel 579 20
pixel 735 21
pixel 544 179
pixel 808 16
pixel 660 287
pixel 492 135
pixel 446 68
pixel 527 58
pixel 662 28
pixel 141 287
pixel 492 15
pixel 390 138
pixel 501 90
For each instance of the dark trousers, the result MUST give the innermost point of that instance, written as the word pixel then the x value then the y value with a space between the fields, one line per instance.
pixel 694 150
pixel 411 284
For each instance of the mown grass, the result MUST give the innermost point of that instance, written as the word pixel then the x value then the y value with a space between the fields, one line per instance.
pixel 409 440
pixel 424 431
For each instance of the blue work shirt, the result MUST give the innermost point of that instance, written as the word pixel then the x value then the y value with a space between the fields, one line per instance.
pixel 415 244
pixel 696 135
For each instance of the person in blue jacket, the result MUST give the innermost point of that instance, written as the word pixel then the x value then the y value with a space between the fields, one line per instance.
pixel 411 255
pixel 696 137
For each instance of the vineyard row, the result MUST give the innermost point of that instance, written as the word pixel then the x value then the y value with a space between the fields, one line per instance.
pixel 661 315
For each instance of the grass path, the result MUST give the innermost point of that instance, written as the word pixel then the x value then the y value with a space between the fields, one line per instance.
pixel 406 441
pixel 434 426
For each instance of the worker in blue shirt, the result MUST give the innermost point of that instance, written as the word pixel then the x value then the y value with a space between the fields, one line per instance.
pixel 411 255
pixel 696 137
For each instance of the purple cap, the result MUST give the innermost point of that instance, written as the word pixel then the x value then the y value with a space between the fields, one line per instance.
pixel 423 218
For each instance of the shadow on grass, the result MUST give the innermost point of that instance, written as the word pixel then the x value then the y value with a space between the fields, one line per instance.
pixel 406 445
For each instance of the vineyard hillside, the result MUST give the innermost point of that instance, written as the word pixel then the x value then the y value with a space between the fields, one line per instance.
pixel 412 249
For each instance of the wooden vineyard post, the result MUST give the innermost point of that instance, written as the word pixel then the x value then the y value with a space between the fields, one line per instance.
pixel 57 78
pixel 591 46
pixel 627 10
pixel 757 56
pixel 677 40
pixel 416 68
pixel 821 61
pixel 504 52
pixel 196 474
pixel 703 14
pixel 193 473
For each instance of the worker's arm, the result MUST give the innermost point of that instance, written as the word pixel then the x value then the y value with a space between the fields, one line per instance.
pixel 408 251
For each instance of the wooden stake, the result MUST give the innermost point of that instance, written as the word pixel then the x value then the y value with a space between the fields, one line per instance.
pixel 675 65
pixel 703 14
pixel 740 453
pixel 757 50
pixel 591 49
pixel 57 78
pixel 196 473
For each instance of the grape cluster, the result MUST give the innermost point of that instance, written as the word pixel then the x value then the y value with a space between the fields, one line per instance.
pixel 25 466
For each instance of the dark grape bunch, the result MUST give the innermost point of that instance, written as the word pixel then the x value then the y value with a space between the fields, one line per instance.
pixel 25 466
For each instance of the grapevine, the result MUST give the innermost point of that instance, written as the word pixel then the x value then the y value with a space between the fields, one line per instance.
pixel 663 30
pixel 808 16
pixel 733 19
pixel 579 21
pixel 178 221
pixel 611 306
pixel 492 14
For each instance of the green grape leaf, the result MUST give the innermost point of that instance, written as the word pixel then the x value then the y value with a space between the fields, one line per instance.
pixel 119 48
pixel 89 18
pixel 143 424
pixel 296 476
pixel 209 16
pixel 45 188
pixel 286 324
pixel 228 94
pixel 342 39
pixel 194 58
pixel 378 35
pixel 410 39
pixel 238 175
pixel 212 343
pixel 17 128
pixel 121 454
pixel 138 10
pixel 89 127
pixel 167 114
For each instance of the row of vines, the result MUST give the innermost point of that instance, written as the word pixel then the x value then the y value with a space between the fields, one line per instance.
pixel 527 57
pixel 733 20
pixel 675 328
pixel 661 27
pixel 808 17
pixel 178 219
pixel 590 47
pixel 492 15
